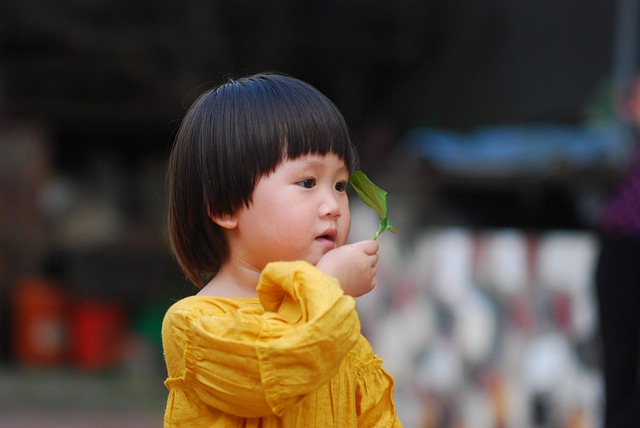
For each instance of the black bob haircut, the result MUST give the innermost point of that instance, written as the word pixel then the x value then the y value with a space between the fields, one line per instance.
pixel 230 137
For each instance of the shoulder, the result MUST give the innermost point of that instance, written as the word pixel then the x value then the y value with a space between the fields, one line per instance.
pixel 197 321
pixel 192 308
pixel 188 306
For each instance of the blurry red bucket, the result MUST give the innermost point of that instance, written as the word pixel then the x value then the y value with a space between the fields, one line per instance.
pixel 97 331
pixel 39 324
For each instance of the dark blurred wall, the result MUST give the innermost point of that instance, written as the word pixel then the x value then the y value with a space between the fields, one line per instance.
pixel 91 92
pixel 105 65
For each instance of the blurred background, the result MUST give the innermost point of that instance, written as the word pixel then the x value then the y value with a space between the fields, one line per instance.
pixel 492 124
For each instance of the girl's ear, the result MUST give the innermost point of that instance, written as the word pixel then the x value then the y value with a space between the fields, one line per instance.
pixel 226 221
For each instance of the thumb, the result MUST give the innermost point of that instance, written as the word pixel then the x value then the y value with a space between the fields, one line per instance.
pixel 370 247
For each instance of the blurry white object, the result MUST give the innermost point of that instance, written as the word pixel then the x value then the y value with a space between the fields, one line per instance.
pixel 546 361
pixel 391 258
pixel 474 329
pixel 441 370
pixel 503 263
pixel 452 267
pixel 566 261
pixel 517 403
pixel 421 259
pixel 584 316
pixel 403 334
pixel 476 409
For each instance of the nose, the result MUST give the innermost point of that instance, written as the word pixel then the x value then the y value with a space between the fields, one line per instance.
pixel 330 206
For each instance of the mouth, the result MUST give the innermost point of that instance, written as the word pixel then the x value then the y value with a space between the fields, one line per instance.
pixel 328 236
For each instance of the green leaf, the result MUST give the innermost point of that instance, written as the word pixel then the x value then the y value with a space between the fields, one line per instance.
pixel 374 197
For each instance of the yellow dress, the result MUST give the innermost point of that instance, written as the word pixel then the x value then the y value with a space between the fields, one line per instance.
pixel 291 357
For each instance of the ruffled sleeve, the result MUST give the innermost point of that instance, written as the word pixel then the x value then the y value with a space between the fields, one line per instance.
pixel 374 392
pixel 257 361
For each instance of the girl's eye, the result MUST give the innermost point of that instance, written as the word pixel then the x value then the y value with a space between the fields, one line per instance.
pixel 341 186
pixel 307 183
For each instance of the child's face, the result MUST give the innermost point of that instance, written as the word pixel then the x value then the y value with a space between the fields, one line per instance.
pixel 298 212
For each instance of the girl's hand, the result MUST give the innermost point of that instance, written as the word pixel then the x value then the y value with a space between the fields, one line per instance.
pixel 353 265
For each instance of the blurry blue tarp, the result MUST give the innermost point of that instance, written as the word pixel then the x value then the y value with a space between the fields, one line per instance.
pixel 519 149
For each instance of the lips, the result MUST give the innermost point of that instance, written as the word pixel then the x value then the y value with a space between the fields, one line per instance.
pixel 329 234
pixel 328 237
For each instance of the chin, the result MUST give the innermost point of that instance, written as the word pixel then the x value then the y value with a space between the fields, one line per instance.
pixel 313 259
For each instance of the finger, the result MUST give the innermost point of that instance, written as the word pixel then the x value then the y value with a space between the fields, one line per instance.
pixel 375 257
pixel 369 247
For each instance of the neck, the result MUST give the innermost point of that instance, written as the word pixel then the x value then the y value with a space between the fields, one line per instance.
pixel 233 280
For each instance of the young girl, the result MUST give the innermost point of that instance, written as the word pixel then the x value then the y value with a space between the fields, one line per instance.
pixel 259 218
